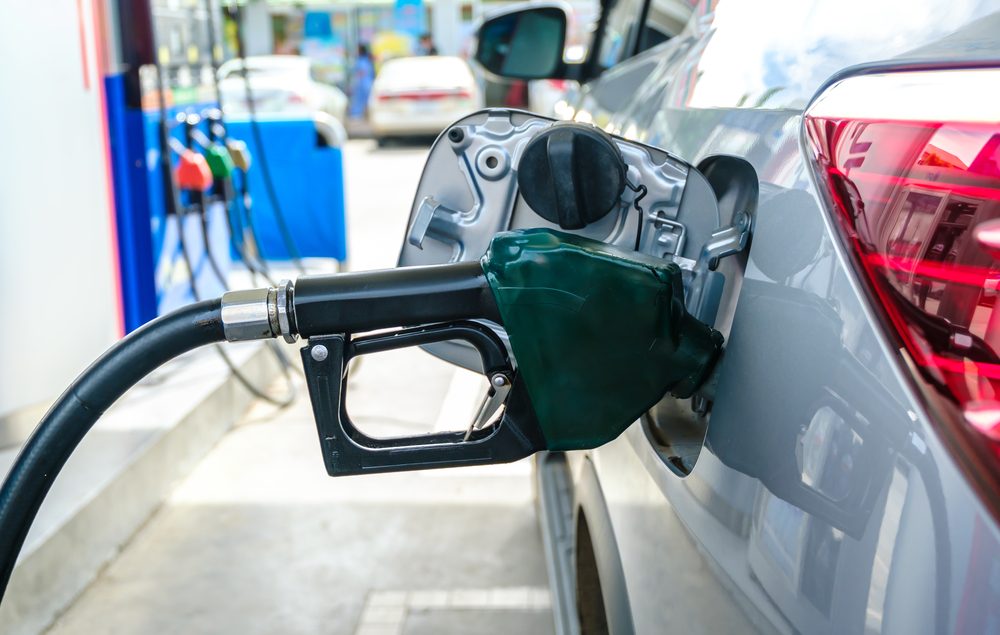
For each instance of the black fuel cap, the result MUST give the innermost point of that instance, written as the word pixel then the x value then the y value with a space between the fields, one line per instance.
pixel 572 174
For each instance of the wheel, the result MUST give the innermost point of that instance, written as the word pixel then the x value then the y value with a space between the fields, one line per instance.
pixel 589 598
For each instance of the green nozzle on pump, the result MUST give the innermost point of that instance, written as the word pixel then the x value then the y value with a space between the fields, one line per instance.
pixel 220 162
pixel 599 334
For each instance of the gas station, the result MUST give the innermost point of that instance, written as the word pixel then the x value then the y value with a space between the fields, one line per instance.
pixel 406 317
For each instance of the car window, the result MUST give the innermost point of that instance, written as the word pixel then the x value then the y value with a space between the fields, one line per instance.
pixel 623 36
pixel 664 20
pixel 621 30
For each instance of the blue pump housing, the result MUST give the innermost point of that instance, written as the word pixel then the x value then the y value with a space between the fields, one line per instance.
pixel 307 174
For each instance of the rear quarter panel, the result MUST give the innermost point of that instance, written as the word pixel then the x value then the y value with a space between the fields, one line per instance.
pixel 740 544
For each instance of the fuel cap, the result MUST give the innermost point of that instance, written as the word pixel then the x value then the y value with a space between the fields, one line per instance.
pixel 572 174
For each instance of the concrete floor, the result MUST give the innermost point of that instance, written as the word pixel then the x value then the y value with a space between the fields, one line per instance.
pixel 258 539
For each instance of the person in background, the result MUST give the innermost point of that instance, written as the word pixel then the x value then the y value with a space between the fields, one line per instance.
pixel 426 45
pixel 362 77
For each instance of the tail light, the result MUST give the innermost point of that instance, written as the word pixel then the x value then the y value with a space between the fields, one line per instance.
pixel 910 164
pixel 425 95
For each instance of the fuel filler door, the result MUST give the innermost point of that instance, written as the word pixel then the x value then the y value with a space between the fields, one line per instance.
pixel 500 169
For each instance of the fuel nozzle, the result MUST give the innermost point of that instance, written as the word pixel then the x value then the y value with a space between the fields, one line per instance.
pixel 595 336
pixel 600 334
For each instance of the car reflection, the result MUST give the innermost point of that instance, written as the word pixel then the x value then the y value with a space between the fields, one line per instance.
pixel 827 493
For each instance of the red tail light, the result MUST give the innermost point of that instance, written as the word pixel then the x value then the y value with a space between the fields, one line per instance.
pixel 910 162
pixel 425 95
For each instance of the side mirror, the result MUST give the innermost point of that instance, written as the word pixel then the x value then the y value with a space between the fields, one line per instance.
pixel 524 44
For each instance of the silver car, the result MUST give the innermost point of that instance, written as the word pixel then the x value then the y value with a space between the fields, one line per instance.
pixel 846 476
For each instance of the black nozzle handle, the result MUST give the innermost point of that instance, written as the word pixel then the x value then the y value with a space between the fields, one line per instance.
pixel 411 296
pixel 348 451
pixel 360 301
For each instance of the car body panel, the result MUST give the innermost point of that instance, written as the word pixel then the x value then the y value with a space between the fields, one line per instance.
pixel 741 543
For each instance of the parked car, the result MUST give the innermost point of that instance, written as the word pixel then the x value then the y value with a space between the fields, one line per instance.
pixel 415 96
pixel 845 478
pixel 280 84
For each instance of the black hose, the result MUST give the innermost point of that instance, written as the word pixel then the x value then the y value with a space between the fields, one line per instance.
pixel 237 239
pixel 198 199
pixel 245 381
pixel 246 208
pixel 75 412
pixel 255 268
pixel 258 139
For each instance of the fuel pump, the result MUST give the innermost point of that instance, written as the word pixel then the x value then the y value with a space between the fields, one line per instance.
pixel 577 336
pixel 202 178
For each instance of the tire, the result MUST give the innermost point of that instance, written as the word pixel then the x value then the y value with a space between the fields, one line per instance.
pixel 589 598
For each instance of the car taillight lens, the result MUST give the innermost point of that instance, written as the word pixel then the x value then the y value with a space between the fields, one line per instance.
pixel 910 162
pixel 425 95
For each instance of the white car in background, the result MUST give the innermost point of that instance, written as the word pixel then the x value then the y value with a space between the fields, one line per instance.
pixel 280 84
pixel 415 96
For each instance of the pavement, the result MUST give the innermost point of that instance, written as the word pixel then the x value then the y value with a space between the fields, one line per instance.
pixel 258 539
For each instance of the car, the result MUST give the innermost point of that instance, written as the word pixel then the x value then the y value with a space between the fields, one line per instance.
pixel 419 96
pixel 280 85
pixel 844 477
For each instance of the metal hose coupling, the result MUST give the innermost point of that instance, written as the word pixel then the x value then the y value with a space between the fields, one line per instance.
pixel 257 314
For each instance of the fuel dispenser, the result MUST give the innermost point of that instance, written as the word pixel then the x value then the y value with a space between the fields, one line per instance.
pixel 578 333
pixel 164 67
pixel 179 225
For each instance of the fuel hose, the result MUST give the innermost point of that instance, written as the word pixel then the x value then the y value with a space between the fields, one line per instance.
pixel 328 304
pixel 76 410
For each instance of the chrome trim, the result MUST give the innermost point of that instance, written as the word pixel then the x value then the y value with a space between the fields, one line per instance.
pixel 246 315
pixel 285 291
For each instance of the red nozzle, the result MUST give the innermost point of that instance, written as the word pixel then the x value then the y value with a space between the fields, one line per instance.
pixel 193 172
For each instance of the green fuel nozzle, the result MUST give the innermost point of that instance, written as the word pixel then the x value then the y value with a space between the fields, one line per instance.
pixel 597 335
